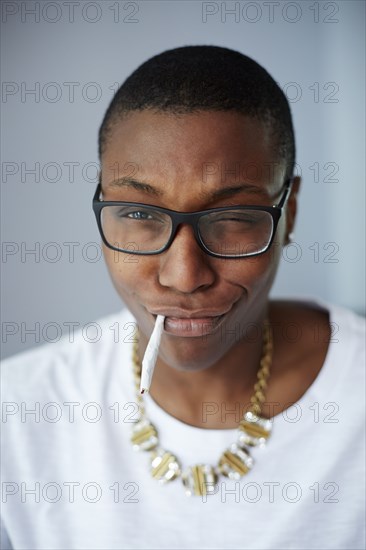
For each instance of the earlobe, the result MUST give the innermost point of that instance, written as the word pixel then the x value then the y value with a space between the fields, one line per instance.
pixel 292 209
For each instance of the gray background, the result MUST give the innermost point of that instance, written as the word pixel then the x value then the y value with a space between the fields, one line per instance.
pixel 74 61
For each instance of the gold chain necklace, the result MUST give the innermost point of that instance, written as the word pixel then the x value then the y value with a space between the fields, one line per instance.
pixel 236 461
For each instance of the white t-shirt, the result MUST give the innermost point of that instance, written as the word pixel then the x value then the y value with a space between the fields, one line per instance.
pixel 71 479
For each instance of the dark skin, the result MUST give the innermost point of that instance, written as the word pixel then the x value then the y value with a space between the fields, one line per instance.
pixel 169 156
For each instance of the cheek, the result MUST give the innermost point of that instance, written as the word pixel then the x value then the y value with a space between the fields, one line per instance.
pixel 254 273
pixel 127 271
pixel 258 275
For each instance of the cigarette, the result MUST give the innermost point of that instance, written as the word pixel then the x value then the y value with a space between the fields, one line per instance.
pixel 151 354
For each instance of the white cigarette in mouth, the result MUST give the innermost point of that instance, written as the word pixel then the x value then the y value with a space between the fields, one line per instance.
pixel 151 354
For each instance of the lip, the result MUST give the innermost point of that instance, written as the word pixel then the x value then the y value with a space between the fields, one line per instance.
pixel 191 324
pixel 185 314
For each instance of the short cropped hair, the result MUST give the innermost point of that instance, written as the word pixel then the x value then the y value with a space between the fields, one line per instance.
pixel 191 79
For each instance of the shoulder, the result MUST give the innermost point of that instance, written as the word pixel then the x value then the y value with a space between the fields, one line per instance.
pixel 80 357
pixel 316 321
pixel 317 345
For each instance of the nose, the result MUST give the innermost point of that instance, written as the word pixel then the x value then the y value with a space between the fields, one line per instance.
pixel 185 267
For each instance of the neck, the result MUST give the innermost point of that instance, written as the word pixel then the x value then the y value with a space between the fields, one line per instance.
pixel 214 397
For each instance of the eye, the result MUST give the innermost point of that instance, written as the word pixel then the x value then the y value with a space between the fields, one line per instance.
pixel 139 215
pixel 236 217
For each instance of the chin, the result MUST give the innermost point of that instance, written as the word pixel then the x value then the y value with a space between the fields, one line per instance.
pixel 191 354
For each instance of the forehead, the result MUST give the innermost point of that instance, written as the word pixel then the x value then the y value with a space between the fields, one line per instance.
pixel 208 149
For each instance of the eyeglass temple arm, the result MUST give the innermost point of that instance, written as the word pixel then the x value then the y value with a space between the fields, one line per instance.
pixel 98 191
pixel 288 184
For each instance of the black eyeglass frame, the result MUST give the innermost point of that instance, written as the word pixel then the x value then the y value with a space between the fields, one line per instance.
pixel 192 219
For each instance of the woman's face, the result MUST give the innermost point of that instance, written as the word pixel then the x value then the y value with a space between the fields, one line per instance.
pixel 186 163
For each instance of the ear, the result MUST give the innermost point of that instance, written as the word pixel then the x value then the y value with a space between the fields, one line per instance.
pixel 292 208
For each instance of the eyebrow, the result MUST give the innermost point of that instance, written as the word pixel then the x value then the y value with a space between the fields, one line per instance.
pixel 235 190
pixel 226 192
pixel 138 185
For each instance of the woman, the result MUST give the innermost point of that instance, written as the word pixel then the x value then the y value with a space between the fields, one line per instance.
pixel 254 410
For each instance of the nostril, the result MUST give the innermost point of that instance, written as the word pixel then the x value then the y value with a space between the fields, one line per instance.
pixel 185 267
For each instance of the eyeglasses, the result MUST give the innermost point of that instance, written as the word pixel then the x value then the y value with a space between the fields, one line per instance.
pixel 226 232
